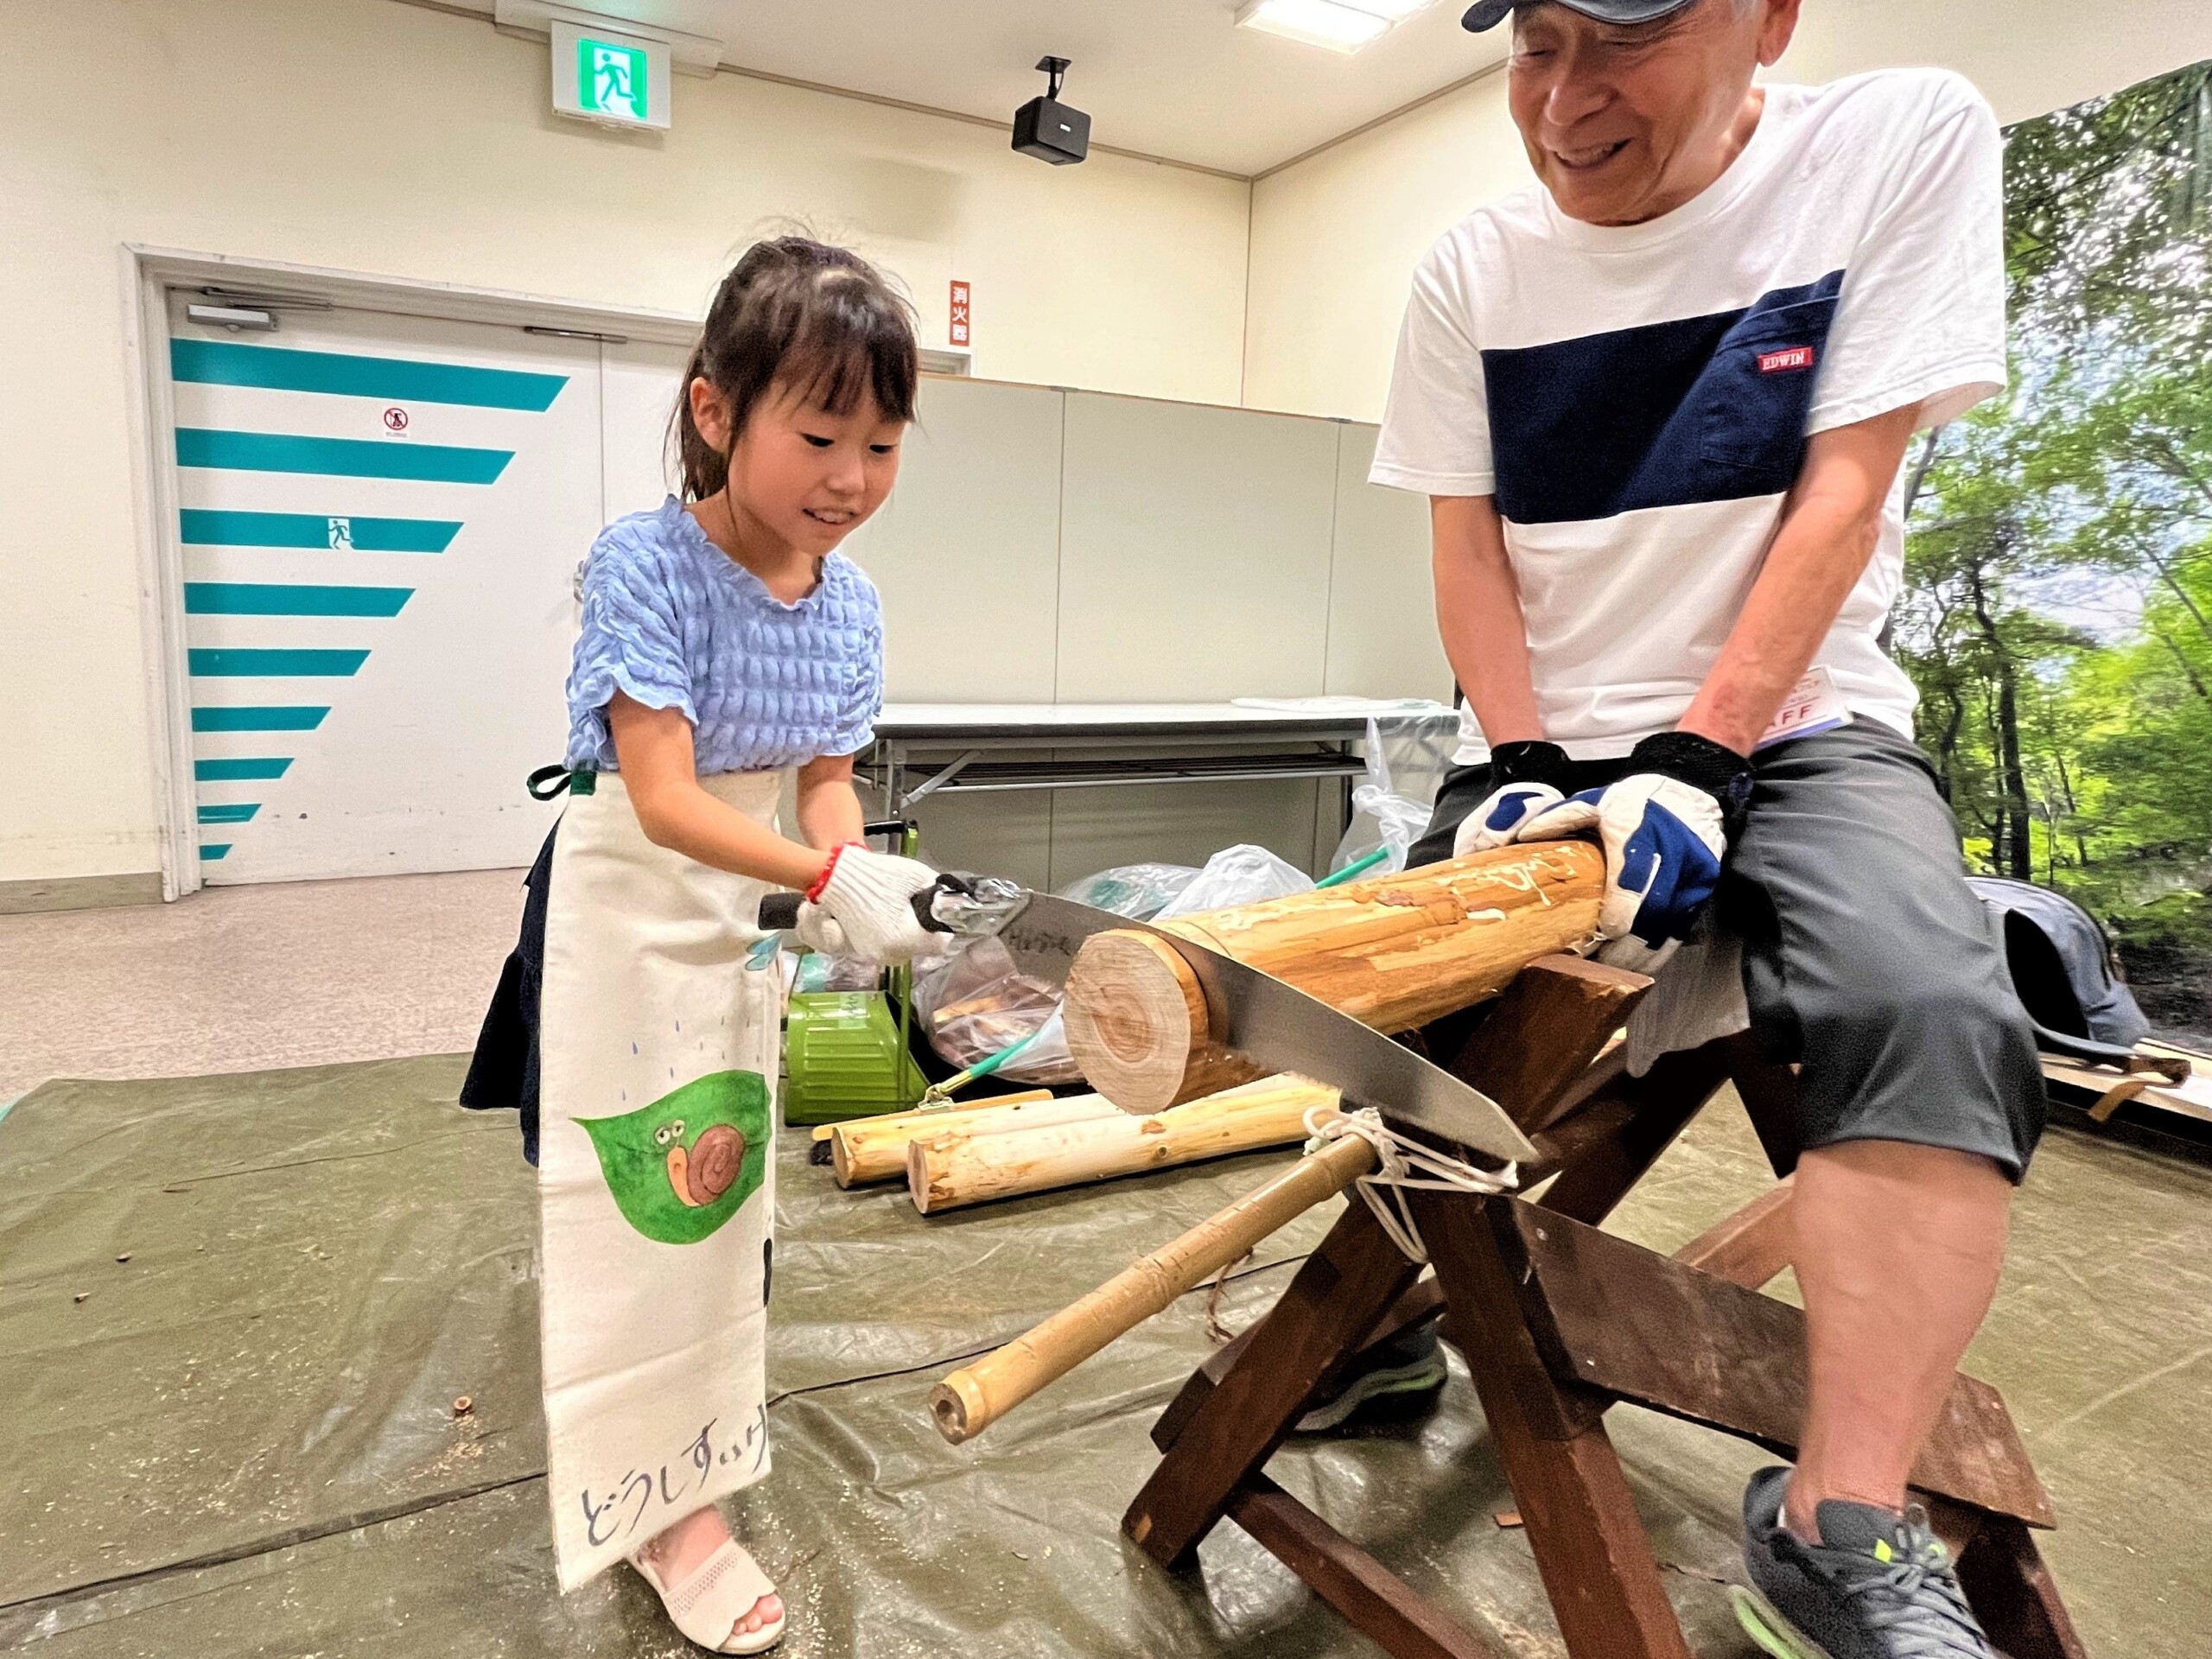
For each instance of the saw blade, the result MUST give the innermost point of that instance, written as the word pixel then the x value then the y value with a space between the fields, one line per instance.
pixel 1275 1025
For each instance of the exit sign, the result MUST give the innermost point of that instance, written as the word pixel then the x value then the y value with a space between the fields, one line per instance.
pixel 617 80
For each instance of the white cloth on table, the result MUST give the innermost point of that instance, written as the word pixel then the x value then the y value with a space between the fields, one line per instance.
pixel 1696 998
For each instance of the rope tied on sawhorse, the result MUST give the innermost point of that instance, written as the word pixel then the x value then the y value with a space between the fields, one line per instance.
pixel 1403 1164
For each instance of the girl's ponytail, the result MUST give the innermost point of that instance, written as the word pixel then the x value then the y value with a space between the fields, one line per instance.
pixel 817 321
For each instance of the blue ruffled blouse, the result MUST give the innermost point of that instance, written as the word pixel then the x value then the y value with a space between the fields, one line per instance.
pixel 674 621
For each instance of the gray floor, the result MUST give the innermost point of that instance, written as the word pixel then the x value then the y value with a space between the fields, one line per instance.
pixel 246 979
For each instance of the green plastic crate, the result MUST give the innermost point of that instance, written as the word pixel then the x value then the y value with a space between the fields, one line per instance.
pixel 843 1059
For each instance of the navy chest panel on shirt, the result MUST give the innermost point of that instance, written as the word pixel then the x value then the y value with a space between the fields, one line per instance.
pixel 1705 409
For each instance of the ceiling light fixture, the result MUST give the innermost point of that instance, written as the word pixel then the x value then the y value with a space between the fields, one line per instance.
pixel 1340 25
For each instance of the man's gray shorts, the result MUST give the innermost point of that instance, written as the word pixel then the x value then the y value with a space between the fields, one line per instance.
pixel 1867 959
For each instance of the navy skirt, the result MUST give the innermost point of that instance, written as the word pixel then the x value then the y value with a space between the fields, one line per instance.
pixel 502 1073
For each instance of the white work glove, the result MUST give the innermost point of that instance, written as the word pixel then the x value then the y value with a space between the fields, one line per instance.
pixel 863 907
pixel 1527 776
pixel 1665 828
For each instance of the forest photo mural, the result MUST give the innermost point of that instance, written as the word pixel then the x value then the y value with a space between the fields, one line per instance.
pixel 2057 613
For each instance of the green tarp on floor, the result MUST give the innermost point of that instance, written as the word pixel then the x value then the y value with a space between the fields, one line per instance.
pixel 242 1441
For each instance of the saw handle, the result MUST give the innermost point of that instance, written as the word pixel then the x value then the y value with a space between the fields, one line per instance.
pixel 780 911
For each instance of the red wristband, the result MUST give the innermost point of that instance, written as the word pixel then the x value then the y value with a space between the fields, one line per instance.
pixel 814 893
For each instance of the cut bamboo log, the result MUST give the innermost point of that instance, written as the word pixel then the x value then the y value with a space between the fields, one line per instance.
pixel 1394 951
pixel 949 1168
pixel 938 1113
pixel 874 1149
pixel 974 1397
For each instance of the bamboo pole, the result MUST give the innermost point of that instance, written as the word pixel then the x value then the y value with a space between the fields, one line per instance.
pixel 939 1109
pixel 866 1149
pixel 948 1169
pixel 1394 951
pixel 971 1399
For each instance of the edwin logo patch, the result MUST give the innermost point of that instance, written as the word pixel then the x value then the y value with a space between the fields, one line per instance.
pixel 1789 357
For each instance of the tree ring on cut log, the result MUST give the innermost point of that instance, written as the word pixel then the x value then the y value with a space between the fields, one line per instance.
pixel 1137 1025
pixel 1134 1011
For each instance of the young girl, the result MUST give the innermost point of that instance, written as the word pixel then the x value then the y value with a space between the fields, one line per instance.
pixel 724 639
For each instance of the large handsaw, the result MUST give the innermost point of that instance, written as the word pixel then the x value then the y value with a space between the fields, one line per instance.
pixel 1273 1024
pixel 1277 1025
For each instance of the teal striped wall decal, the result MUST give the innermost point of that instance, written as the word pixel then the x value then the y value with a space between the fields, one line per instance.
pixel 287 452
pixel 213 849
pixel 258 718
pixel 290 598
pixel 207 527
pixel 233 662
pixel 241 812
pixel 251 770
pixel 220 363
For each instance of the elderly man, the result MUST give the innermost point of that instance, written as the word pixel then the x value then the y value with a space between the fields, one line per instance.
pixel 1659 401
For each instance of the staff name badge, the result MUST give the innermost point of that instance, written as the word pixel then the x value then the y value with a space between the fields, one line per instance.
pixel 1814 705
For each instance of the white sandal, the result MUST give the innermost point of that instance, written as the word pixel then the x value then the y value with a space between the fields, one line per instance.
pixel 707 1605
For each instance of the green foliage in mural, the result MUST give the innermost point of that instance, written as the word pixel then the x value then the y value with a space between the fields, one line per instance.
pixel 2057 613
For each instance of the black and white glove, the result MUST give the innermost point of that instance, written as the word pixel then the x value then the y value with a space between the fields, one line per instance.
pixel 863 906
pixel 1525 779
pixel 1665 828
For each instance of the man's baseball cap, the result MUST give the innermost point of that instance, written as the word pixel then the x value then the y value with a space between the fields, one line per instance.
pixel 1489 14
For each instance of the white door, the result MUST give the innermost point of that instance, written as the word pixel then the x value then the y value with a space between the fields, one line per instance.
pixel 638 380
pixel 381 521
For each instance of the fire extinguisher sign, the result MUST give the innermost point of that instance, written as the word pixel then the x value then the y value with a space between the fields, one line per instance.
pixel 962 318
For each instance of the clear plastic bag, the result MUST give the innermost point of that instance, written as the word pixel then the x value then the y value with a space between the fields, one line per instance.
pixel 1407 755
pixel 977 1002
pixel 1244 874
pixel 1137 891
pixel 817 972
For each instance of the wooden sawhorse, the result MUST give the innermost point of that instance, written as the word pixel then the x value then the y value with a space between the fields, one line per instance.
pixel 1557 1321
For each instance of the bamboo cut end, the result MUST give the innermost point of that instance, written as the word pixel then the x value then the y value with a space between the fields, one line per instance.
pixel 957 1407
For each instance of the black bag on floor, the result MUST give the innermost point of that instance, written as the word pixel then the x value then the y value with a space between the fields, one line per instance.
pixel 2064 971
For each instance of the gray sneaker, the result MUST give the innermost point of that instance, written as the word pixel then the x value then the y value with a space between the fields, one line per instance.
pixel 1876 1587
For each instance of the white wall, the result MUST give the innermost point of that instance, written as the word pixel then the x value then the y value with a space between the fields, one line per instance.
pixel 1335 237
pixel 1045 545
pixel 394 140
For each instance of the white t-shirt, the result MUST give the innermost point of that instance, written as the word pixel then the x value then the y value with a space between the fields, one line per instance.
pixel 1637 398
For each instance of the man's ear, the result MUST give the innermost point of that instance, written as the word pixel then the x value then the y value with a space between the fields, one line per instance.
pixel 1776 25
pixel 710 413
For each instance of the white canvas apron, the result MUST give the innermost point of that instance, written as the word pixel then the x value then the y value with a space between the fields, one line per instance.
pixel 655 1177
